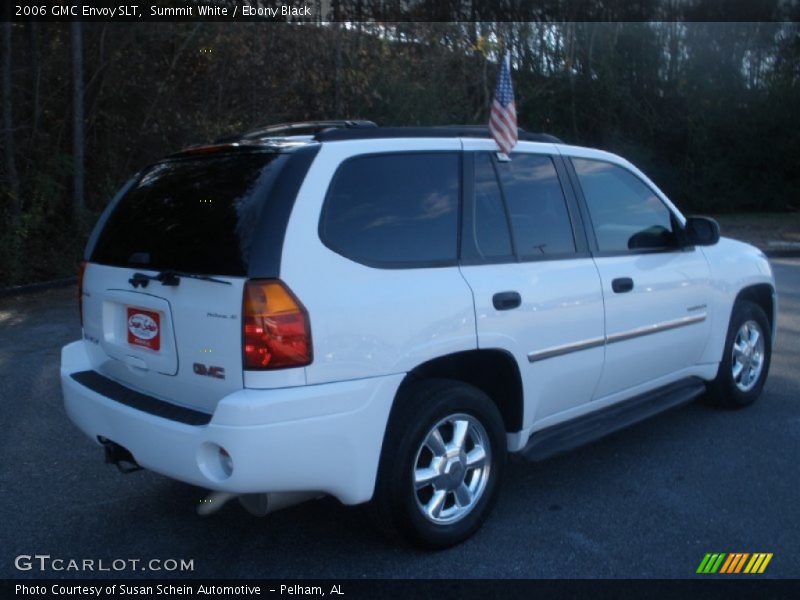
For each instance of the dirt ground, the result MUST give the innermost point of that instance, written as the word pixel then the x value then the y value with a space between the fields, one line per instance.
pixel 768 231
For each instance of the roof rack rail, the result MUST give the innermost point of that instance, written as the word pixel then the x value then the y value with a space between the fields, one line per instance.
pixel 296 128
pixel 439 131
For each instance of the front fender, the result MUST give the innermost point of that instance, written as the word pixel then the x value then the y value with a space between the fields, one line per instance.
pixel 735 267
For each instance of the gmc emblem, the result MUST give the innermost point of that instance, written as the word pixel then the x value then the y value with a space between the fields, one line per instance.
pixel 209 371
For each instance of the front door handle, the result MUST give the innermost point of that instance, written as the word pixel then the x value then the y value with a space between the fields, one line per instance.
pixel 622 285
pixel 506 300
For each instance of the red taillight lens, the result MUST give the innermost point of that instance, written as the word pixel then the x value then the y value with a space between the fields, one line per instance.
pixel 81 269
pixel 276 333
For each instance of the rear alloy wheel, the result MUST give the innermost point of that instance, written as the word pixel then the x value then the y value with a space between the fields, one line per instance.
pixel 441 464
pixel 452 468
pixel 746 357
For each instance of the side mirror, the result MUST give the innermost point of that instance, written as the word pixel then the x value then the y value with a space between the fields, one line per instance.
pixel 701 231
pixel 656 236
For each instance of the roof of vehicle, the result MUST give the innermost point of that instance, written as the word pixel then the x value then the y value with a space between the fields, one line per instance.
pixel 440 131
pixel 300 128
pixel 286 136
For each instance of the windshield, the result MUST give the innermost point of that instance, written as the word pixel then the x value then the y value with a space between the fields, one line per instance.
pixel 194 215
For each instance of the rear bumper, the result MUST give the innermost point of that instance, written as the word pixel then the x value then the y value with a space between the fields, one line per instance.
pixel 320 438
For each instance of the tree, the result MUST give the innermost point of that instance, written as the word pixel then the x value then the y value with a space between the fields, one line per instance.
pixel 8 128
pixel 76 35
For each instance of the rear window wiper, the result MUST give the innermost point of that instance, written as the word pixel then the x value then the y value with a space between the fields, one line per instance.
pixel 170 277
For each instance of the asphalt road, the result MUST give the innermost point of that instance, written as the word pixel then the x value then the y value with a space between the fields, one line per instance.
pixel 646 502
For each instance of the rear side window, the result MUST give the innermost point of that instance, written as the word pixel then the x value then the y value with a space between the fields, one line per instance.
pixel 490 221
pixel 626 214
pixel 394 210
pixel 536 205
pixel 195 215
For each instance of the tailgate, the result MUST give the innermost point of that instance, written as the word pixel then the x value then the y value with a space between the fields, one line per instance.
pixel 180 343
pixel 191 220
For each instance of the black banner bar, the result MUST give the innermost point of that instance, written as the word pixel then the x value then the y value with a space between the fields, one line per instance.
pixel 440 589
pixel 316 11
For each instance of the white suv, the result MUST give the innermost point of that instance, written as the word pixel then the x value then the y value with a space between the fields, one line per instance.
pixel 384 313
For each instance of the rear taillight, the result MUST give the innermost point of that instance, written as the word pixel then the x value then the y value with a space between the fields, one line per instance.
pixel 276 333
pixel 81 270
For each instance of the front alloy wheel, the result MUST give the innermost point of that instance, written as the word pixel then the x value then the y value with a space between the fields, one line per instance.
pixel 745 360
pixel 747 356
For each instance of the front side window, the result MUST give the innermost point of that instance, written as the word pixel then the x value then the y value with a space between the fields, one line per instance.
pixel 626 214
pixel 394 210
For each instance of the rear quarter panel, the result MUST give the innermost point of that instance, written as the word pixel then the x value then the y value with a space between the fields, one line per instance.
pixel 366 321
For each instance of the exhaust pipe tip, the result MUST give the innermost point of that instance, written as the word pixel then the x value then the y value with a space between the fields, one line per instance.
pixel 259 505
pixel 213 502
pixel 119 456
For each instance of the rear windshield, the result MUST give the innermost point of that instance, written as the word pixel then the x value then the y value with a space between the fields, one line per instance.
pixel 196 215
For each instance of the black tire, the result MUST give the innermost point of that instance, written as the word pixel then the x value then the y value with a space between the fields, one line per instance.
pixel 397 504
pixel 725 390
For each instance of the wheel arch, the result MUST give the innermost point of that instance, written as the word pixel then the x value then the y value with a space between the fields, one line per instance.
pixel 724 390
pixel 493 371
pixel 762 294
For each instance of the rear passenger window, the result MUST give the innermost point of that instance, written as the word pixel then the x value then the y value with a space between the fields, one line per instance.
pixel 394 210
pixel 491 223
pixel 536 205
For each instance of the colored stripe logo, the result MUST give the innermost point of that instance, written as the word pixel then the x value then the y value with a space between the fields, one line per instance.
pixel 733 563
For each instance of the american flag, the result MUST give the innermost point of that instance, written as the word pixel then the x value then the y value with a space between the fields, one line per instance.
pixel 503 119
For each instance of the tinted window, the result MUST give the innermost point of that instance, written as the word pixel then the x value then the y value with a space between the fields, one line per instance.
pixel 536 206
pixel 195 215
pixel 394 209
pixel 490 222
pixel 626 214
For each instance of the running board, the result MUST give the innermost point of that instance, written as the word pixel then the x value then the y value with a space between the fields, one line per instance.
pixel 588 428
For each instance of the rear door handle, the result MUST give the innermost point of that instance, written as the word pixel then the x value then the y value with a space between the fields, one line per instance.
pixel 622 284
pixel 506 300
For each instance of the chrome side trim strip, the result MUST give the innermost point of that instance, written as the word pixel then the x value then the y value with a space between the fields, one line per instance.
pixel 656 328
pixel 614 337
pixel 566 349
pixel 698 307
